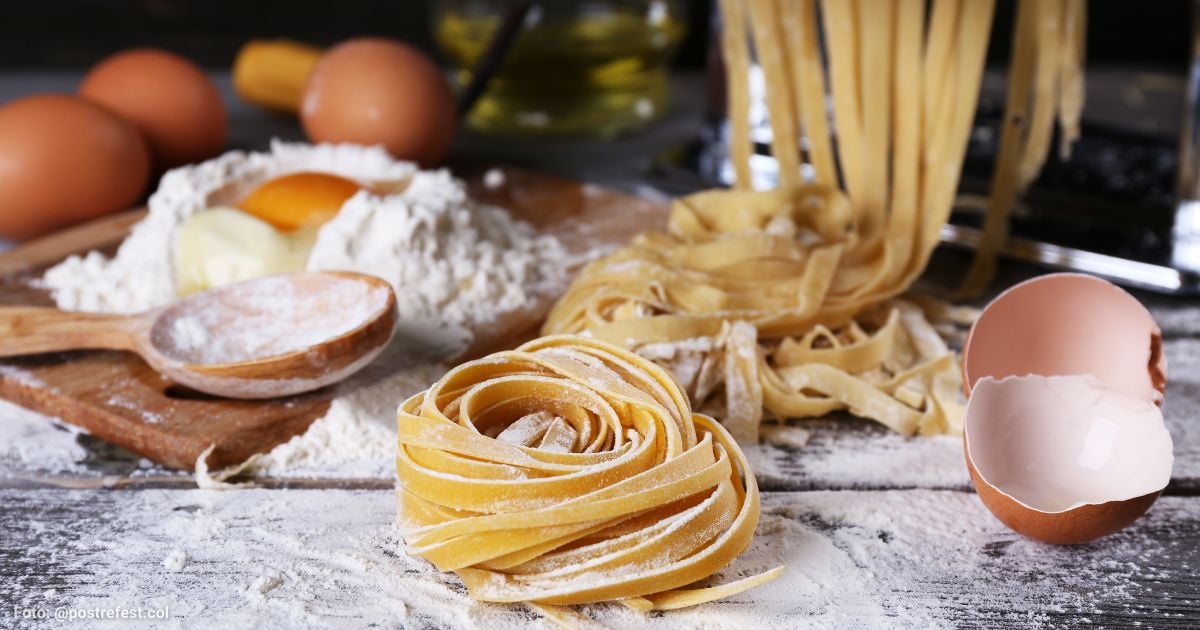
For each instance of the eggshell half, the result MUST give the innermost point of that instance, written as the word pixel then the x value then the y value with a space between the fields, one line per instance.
pixel 1063 438
pixel 1068 323
pixel 1065 459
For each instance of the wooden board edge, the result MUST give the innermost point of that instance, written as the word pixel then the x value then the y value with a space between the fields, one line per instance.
pixel 40 253
pixel 148 440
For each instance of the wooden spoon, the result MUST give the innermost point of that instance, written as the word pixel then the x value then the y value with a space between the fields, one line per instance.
pixel 262 338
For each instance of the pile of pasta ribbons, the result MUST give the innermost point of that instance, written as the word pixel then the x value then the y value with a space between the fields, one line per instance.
pixel 736 301
pixel 570 471
pixel 785 303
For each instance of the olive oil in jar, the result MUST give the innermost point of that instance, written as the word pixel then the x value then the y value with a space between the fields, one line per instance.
pixel 594 68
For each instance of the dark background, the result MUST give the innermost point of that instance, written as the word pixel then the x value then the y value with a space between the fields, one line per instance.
pixel 77 33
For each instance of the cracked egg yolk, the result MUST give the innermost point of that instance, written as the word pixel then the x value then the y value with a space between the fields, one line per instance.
pixel 299 200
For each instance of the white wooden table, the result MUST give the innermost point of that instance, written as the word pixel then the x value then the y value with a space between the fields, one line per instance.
pixel 875 529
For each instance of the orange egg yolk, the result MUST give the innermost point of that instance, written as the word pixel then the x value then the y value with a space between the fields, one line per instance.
pixel 299 200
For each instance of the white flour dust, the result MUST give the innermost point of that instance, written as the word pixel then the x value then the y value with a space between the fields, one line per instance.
pixel 329 559
pixel 830 453
pixel 32 442
pixel 356 439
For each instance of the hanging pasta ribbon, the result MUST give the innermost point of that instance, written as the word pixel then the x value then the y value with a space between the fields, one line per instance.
pixel 1045 82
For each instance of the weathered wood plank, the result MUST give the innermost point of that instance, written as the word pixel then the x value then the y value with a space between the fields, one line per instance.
pixel 331 558
pixel 850 453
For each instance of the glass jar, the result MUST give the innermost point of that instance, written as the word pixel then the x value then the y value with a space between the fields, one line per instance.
pixel 587 67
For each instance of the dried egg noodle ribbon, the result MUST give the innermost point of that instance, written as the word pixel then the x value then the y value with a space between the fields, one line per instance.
pixel 569 471
pixel 784 302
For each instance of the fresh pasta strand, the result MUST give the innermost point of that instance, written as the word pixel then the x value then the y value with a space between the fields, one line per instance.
pixel 1070 85
pixel 769 48
pixel 938 61
pixel 1045 89
pixel 808 80
pixel 947 140
pixel 1029 114
pixel 736 54
pixel 570 471
pixel 877 31
pixel 909 126
pixel 1014 136
pixel 841 38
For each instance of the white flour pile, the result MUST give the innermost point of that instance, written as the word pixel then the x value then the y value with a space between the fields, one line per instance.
pixel 141 275
pixel 455 265
pixel 446 256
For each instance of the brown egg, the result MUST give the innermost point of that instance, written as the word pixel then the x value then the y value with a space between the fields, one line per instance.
pixel 168 98
pixel 379 91
pixel 64 160
pixel 1064 438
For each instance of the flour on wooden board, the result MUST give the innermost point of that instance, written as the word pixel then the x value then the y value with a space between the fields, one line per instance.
pixel 444 253
pixel 329 559
pixel 141 275
pixel 452 261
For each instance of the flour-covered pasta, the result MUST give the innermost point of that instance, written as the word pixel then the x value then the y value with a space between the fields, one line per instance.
pixel 569 471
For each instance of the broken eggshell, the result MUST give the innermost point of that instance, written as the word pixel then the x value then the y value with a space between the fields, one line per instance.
pixel 1065 459
pixel 1063 440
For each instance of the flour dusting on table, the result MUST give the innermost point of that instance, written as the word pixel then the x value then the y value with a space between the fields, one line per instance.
pixel 329 559
pixel 30 441
pixel 356 439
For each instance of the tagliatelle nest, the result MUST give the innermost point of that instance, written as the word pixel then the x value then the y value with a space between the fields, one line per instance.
pixel 570 471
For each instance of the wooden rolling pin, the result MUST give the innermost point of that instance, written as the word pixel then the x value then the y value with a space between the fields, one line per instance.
pixel 273 73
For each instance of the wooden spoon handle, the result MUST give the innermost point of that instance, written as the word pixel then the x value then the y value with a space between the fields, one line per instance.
pixel 33 330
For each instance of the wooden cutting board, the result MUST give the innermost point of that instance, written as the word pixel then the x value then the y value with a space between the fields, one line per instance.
pixel 117 397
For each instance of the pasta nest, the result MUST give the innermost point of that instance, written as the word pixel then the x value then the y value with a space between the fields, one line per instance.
pixel 570 471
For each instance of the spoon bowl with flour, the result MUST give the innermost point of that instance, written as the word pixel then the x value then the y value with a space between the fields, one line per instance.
pixel 262 338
